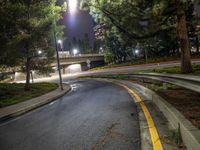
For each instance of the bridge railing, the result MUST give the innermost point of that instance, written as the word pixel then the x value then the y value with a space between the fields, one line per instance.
pixel 67 55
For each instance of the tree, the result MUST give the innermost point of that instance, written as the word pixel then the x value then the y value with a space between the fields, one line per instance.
pixel 74 43
pixel 182 31
pixel 28 28
pixel 86 44
pixel 142 19
pixel 80 45
pixel 97 45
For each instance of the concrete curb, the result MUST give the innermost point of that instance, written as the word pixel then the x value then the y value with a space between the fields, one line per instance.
pixel 26 106
pixel 190 134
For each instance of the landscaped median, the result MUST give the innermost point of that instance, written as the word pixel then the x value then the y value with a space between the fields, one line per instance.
pixel 14 100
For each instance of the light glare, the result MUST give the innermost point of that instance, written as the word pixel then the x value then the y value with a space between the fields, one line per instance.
pixel 39 52
pixel 59 42
pixel 72 5
pixel 74 68
pixel 75 51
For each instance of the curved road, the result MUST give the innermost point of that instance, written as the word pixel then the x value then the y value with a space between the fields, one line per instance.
pixel 93 116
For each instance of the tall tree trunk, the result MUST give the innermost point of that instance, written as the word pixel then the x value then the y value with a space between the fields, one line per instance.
pixel 28 58
pixel 186 66
pixel 28 62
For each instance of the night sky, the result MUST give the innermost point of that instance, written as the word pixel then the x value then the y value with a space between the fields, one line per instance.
pixel 76 25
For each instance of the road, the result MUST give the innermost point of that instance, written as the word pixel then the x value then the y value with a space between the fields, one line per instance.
pixel 93 116
pixel 123 69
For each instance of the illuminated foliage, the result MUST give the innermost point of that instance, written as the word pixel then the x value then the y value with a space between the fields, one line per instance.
pixel 143 19
pixel 26 27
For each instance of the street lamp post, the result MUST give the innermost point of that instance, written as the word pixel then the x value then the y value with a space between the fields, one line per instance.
pixel 72 6
pixel 58 60
pixel 57 55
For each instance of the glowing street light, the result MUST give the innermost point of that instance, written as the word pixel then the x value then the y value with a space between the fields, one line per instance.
pixel 72 5
pixel 75 51
pixel 39 52
pixel 59 41
pixel 136 51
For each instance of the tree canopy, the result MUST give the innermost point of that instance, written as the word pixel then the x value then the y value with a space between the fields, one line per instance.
pixel 144 19
pixel 26 27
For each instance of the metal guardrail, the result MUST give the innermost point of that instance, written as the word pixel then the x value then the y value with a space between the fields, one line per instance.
pixel 188 82
pixel 79 55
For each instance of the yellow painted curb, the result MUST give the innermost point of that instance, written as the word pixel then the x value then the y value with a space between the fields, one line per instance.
pixel 152 128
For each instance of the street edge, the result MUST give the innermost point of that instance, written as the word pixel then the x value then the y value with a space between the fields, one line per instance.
pixel 145 138
pixel 189 133
pixel 67 88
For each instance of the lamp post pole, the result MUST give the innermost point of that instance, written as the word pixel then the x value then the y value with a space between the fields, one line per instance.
pixel 57 55
pixel 58 60
pixel 72 4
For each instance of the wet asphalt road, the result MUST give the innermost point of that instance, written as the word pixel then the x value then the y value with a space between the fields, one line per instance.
pixel 93 116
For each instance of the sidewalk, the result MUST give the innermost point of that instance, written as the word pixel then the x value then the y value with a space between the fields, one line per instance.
pixel 23 107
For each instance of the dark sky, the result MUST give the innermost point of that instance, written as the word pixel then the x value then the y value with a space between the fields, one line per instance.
pixel 77 25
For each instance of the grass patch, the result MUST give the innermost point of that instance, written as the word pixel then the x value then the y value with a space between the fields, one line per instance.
pixel 177 70
pixel 184 100
pixel 170 70
pixel 14 93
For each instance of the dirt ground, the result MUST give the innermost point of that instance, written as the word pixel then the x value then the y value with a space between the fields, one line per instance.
pixel 184 100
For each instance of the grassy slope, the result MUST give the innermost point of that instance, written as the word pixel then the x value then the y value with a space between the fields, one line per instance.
pixel 174 70
pixel 14 93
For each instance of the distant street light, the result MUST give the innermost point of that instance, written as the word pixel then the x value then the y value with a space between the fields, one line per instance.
pixel 136 51
pixel 100 50
pixel 59 41
pixel 39 52
pixel 75 51
pixel 72 5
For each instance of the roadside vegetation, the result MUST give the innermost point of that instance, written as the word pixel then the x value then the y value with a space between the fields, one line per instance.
pixel 176 70
pixel 170 70
pixel 185 101
pixel 15 93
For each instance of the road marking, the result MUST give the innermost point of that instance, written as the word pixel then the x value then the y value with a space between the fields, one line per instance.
pixel 152 128
pixel 52 103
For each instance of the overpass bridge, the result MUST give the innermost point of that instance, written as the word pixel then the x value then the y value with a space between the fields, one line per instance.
pixel 69 64
pixel 82 62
